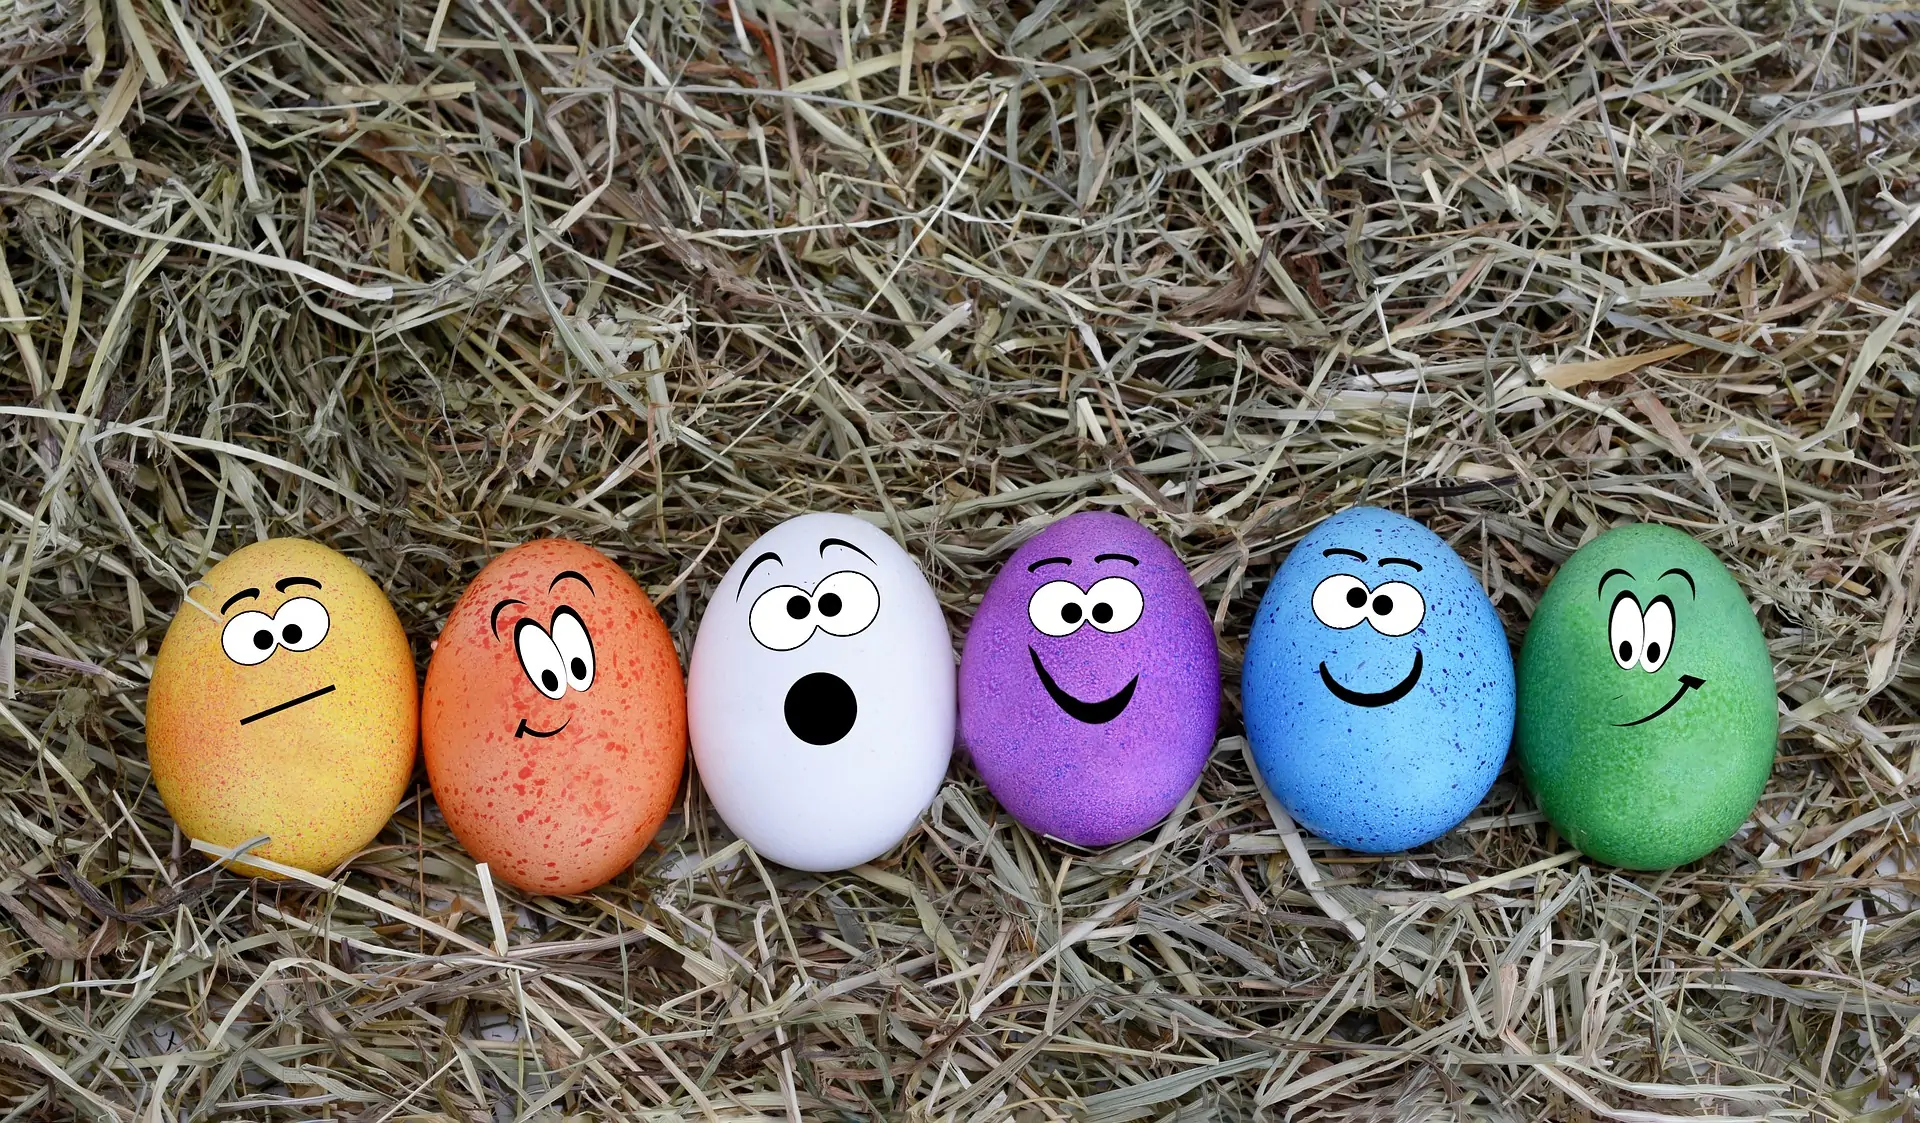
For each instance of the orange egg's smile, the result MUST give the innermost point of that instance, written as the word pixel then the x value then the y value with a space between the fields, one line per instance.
pixel 526 730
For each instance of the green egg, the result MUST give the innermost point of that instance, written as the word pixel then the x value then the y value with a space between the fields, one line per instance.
pixel 1647 710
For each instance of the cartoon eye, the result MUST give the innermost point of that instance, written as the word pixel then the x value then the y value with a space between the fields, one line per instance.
pixel 782 618
pixel 301 624
pixel 1658 640
pixel 1056 608
pixel 249 638
pixel 1627 630
pixel 1396 608
pixel 1114 604
pixel 540 658
pixel 1340 601
pixel 575 646
pixel 845 603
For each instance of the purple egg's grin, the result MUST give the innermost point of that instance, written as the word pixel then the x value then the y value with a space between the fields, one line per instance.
pixel 1092 713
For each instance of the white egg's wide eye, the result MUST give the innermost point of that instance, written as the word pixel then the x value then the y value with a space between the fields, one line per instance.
pixel 301 624
pixel 570 638
pixel 1657 639
pixel 1057 608
pixel 845 603
pixel 782 618
pixel 1114 604
pixel 249 638
pixel 1626 631
pixel 540 658
pixel 1340 601
pixel 1396 608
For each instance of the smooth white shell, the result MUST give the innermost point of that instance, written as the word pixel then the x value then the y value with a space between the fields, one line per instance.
pixel 823 806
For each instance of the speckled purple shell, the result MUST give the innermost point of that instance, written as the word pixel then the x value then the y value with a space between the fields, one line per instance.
pixel 1091 782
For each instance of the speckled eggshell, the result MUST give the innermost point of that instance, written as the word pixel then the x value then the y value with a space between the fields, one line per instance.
pixel 311 747
pixel 556 794
pixel 1094 735
pixel 821 694
pixel 1374 741
pixel 1652 760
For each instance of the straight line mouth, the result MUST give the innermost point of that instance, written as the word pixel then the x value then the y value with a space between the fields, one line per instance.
pixel 286 705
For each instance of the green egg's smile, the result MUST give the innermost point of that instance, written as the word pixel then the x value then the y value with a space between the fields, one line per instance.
pixel 1687 682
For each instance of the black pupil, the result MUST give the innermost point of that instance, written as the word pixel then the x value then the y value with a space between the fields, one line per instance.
pixel 1653 652
pixel 1356 597
pixel 263 639
pixel 830 604
pixel 1626 651
pixel 797 607
pixel 1102 612
pixel 1070 613
pixel 550 680
pixel 1383 605
pixel 290 634
pixel 579 666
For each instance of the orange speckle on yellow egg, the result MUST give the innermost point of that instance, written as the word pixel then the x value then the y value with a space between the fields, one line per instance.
pixel 554 720
pixel 284 703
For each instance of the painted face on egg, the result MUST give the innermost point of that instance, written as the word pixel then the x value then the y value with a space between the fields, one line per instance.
pixel 1090 683
pixel 555 718
pixel 1649 718
pixel 283 703
pixel 1378 687
pixel 820 693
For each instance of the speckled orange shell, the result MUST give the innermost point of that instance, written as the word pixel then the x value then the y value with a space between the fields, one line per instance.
pixel 321 777
pixel 565 813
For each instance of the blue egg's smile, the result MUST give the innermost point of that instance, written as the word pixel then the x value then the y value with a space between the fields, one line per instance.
pixel 1385 697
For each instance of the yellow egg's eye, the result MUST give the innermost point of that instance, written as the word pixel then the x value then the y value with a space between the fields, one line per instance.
pixel 249 638
pixel 301 624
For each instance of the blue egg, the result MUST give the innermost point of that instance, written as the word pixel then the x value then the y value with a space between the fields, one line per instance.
pixel 1378 686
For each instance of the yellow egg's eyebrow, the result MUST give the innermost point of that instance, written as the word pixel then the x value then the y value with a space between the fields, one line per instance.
pixel 286 583
pixel 239 596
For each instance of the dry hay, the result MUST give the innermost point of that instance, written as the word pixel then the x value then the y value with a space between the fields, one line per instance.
pixel 424 280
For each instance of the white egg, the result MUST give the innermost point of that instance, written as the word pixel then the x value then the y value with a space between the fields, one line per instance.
pixel 820 696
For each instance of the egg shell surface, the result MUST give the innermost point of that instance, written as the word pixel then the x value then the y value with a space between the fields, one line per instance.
pixel 821 693
pixel 557 779
pixel 1084 729
pixel 1378 685
pixel 306 731
pixel 1654 763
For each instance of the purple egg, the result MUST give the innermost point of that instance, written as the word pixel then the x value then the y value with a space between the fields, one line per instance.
pixel 1090 682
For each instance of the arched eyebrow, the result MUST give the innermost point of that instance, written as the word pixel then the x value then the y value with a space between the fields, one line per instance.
pixel 573 573
pixel 1049 561
pixel 493 622
pixel 1602 589
pixel 769 556
pixel 1343 551
pixel 1128 558
pixel 825 542
pixel 286 583
pixel 239 596
pixel 1401 561
pixel 1684 576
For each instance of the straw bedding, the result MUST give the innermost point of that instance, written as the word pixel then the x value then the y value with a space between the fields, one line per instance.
pixel 421 281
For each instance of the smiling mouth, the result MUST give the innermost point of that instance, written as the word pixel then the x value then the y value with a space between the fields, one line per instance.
pixel 1093 713
pixel 1687 682
pixel 526 730
pixel 1385 697
pixel 286 705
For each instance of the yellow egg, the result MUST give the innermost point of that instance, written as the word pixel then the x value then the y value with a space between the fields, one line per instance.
pixel 284 703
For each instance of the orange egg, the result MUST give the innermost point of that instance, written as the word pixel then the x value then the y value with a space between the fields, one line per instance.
pixel 555 718
pixel 284 703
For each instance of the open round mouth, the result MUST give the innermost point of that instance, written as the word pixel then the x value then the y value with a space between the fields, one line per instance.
pixel 821 708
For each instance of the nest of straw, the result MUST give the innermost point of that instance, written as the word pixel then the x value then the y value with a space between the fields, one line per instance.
pixel 425 280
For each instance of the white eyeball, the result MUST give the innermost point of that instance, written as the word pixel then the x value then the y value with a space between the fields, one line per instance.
pixel 1626 631
pixel 570 638
pixel 1396 608
pixel 249 638
pixel 1340 601
pixel 845 603
pixel 540 658
pixel 1057 608
pixel 1657 639
pixel 1114 604
pixel 301 624
pixel 782 618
